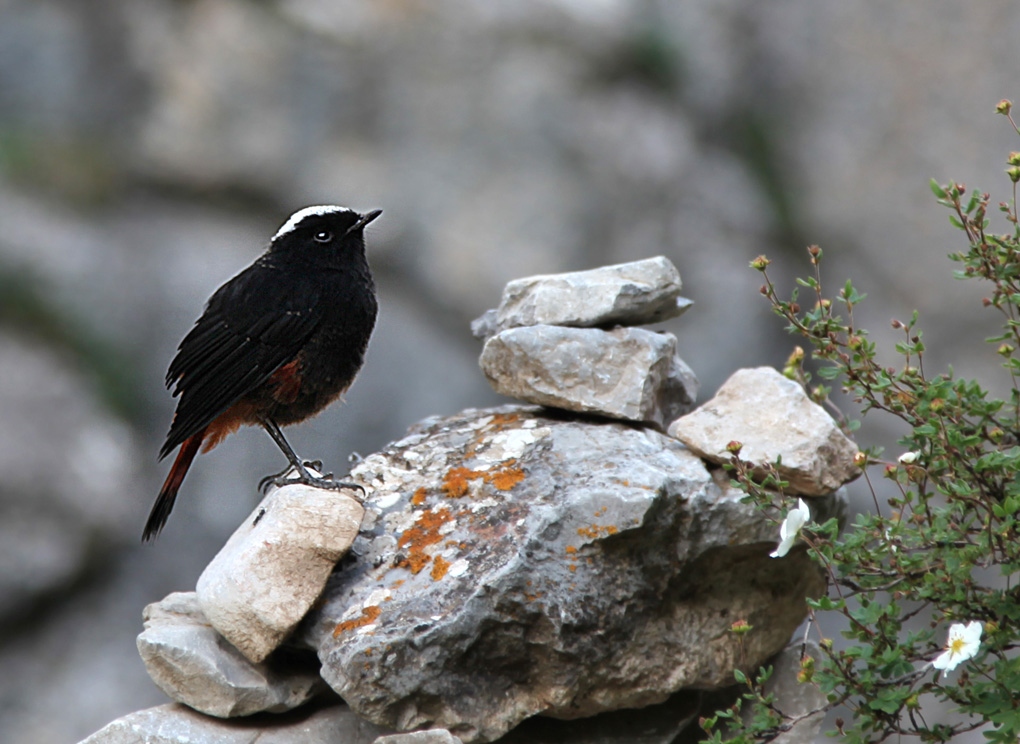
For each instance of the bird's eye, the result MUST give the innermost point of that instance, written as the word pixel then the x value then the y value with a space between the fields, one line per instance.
pixel 323 236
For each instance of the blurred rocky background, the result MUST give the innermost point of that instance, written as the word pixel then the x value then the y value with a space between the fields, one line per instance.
pixel 149 148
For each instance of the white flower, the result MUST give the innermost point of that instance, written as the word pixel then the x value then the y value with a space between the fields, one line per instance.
pixel 790 528
pixel 963 643
pixel 908 458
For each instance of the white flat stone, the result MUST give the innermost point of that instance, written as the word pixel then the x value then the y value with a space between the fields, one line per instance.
pixel 264 580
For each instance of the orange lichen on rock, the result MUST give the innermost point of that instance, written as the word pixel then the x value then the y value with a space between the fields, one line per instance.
pixel 416 539
pixel 571 549
pixel 439 567
pixel 455 484
pixel 502 420
pixel 419 496
pixel 368 616
pixel 503 477
pixel 596 531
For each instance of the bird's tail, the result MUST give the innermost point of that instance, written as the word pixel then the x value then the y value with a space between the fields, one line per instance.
pixel 168 493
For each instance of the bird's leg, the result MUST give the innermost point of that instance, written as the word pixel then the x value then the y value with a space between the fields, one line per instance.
pixel 327 481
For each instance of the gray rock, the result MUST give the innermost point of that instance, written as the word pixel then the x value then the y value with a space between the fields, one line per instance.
pixel 174 724
pixel 513 563
pixel 259 586
pixel 652 724
pixel 772 417
pixel 195 665
pixel 432 736
pixel 627 373
pixel 485 325
pixel 65 463
pixel 635 293
pixel 793 698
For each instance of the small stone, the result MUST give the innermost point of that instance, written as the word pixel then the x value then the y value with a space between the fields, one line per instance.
pixel 627 373
pixel 772 417
pixel 264 580
pixel 635 293
pixel 194 665
pixel 432 736
pixel 174 724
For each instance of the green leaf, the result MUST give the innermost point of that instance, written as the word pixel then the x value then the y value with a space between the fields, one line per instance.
pixel 937 190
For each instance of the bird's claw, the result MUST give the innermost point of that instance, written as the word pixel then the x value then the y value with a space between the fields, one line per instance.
pixel 327 481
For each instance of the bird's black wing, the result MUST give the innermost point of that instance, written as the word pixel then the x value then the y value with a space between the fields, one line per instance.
pixel 252 325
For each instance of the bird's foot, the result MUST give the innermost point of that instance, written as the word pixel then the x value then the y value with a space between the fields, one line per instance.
pixel 278 479
pixel 292 475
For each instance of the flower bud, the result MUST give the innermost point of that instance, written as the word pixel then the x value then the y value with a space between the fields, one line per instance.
pixel 1005 350
pixel 860 459
pixel 1003 106
pixel 1014 158
pixel 1013 173
pixel 734 447
pixel 741 627
pixel 760 263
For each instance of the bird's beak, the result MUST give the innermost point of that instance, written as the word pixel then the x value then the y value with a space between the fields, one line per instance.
pixel 365 219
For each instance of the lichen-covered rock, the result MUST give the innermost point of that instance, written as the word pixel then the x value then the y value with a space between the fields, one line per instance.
pixel 772 417
pixel 195 665
pixel 263 581
pixel 635 293
pixel 627 373
pixel 513 562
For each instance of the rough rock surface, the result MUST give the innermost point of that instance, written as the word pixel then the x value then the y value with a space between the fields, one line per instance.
pixel 259 586
pixel 514 563
pixel 176 724
pixel 772 417
pixel 652 724
pixel 794 698
pixel 65 463
pixel 627 373
pixel 195 665
pixel 432 736
pixel 635 293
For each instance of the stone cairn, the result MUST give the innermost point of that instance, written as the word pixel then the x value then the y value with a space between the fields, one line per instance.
pixel 565 570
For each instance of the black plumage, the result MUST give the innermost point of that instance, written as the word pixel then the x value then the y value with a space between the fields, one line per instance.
pixel 275 344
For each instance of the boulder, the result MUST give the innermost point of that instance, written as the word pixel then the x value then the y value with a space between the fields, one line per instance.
pixel 515 562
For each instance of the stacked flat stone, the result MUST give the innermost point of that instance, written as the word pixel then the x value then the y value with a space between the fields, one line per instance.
pixel 568 341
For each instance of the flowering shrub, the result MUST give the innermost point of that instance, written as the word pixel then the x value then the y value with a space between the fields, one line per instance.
pixel 938 559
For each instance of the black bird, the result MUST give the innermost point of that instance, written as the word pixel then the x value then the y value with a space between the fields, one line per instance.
pixel 276 344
